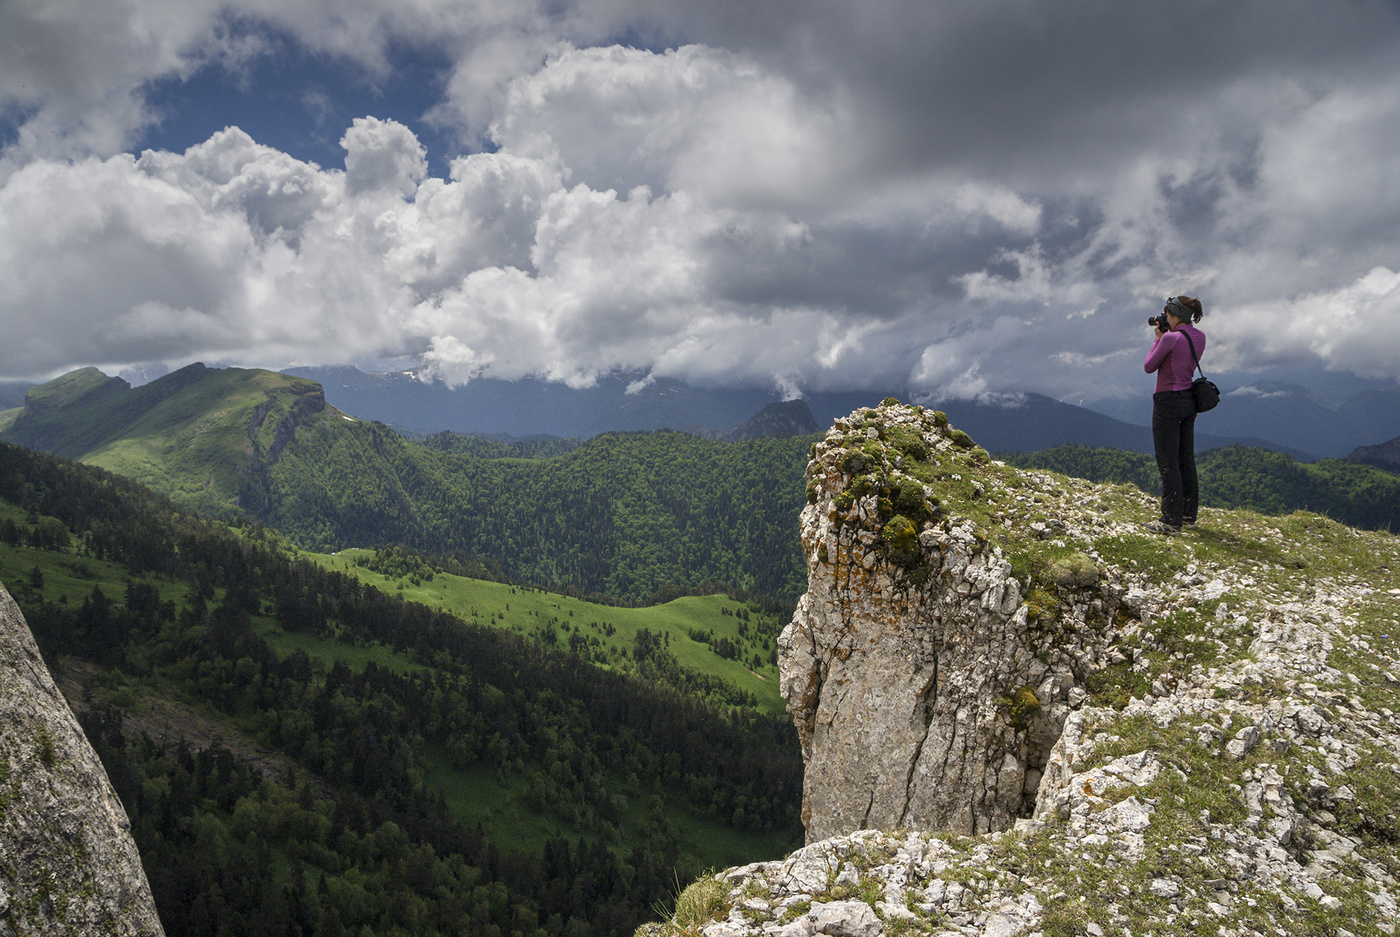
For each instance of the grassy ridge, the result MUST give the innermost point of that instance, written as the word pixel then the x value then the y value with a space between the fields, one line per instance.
pixel 1248 478
pixel 197 434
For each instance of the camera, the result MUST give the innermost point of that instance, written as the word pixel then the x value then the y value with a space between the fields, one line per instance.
pixel 1159 322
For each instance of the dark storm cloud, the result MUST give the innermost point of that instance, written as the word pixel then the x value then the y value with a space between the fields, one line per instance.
pixel 983 197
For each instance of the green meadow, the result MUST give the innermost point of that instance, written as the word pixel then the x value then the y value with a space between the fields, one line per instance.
pixel 605 634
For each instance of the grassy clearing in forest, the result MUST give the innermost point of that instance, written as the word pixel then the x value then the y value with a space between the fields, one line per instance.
pixel 602 633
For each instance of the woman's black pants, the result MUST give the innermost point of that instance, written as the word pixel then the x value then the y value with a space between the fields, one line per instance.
pixel 1174 438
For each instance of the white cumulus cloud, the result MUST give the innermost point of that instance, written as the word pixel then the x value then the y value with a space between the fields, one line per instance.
pixel 958 197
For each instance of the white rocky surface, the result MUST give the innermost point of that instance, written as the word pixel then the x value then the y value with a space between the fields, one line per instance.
pixel 1217 749
pixel 68 865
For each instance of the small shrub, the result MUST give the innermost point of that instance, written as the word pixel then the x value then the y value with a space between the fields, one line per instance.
pixel 1040 602
pixel 910 498
pixel 902 537
pixel 45 745
pixel 1020 706
pixel 701 902
pixel 795 911
pixel 1116 685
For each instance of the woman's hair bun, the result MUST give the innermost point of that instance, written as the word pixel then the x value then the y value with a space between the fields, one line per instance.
pixel 1194 304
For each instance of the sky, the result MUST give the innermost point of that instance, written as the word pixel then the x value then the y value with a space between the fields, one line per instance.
pixel 966 197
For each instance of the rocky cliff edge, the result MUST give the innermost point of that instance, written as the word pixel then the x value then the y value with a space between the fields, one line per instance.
pixel 68 865
pixel 1023 714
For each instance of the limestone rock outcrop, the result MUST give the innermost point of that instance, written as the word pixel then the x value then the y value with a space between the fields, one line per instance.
pixel 1224 706
pixel 925 693
pixel 68 864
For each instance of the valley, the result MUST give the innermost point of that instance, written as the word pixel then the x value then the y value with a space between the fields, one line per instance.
pixel 229 681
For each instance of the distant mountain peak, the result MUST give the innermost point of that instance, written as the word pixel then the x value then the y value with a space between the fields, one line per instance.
pixel 1384 456
pixel 785 418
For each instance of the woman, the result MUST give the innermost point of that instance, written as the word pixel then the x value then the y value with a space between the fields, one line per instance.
pixel 1174 410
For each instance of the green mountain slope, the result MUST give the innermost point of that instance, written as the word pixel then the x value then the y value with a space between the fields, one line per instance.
pixel 626 515
pixel 203 436
pixel 301 752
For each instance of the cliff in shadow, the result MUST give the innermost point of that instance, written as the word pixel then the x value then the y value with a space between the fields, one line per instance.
pixel 1021 713
pixel 68 864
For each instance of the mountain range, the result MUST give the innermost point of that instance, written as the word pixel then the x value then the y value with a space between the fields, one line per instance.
pixel 1291 416
pixel 632 515
pixel 1284 417
pixel 624 515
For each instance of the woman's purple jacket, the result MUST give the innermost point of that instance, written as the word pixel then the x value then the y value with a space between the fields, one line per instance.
pixel 1171 358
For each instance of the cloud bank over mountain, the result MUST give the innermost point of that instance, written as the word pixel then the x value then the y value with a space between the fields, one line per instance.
pixel 969 198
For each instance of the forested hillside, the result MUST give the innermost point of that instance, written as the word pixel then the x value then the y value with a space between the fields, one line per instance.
pixel 303 754
pixel 624 515
pixel 1244 477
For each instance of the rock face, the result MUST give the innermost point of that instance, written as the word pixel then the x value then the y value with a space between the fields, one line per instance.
pixel 1216 748
pixel 68 864
pixel 925 696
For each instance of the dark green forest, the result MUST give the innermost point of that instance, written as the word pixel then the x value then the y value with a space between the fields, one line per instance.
pixel 624 514
pixel 359 826
pixel 486 447
pixel 1245 477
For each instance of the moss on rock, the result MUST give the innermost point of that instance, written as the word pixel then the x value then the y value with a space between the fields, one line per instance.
pixel 1073 571
pixel 903 539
